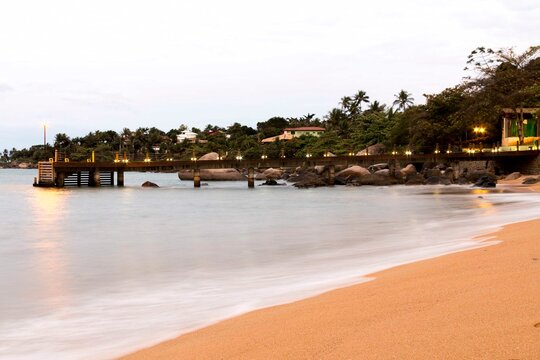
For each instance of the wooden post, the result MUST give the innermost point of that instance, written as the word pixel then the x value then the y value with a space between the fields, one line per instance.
pixel 197 178
pixel 91 178
pixel 120 178
pixel 60 179
pixel 251 178
pixel 331 175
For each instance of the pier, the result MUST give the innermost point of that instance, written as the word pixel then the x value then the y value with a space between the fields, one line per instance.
pixel 60 172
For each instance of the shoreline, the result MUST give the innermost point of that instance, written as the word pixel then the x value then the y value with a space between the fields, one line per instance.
pixel 270 332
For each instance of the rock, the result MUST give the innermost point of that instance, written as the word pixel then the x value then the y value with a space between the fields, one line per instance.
pixel 213 174
pixel 530 181
pixel 149 184
pixel 377 149
pixel 354 170
pixel 474 176
pixel 414 179
pixel 209 156
pixel 408 170
pixel 271 182
pixel 383 172
pixel 513 176
pixel 449 173
pixel 307 180
pixel 319 169
pixel 376 180
pixel 269 174
pixel 376 167
pixel 23 165
pixel 486 181
pixel 432 173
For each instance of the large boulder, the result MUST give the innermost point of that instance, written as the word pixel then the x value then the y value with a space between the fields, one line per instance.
pixel 375 180
pixel 414 179
pixel 209 156
pixel 271 182
pixel 437 180
pixel 513 176
pixel 377 149
pixel 270 174
pixel 474 176
pixel 376 167
pixel 408 170
pixel 382 172
pixel 213 175
pixel 530 181
pixel 486 181
pixel 354 170
pixel 307 180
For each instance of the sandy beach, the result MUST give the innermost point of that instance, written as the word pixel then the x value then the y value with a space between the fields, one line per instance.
pixel 477 304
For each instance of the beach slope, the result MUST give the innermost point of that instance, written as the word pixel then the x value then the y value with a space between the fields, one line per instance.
pixel 477 304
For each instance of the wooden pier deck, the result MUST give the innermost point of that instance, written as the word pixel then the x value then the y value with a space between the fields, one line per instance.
pixel 100 173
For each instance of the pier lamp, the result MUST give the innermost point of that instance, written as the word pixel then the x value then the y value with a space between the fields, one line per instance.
pixel 282 154
pixel 479 130
pixel 308 155
pixel 239 156
pixel 351 153
pixel 449 150
pixel 437 151
pixel 264 156
pixel 408 152
pixel 394 151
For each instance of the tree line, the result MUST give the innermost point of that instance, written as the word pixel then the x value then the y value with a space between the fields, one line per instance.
pixel 496 79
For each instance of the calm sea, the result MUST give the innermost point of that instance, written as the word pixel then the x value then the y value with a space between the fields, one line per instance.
pixel 95 273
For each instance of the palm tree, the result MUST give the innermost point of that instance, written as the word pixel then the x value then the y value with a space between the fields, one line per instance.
pixel 376 107
pixel 359 98
pixel 403 100
pixel 346 103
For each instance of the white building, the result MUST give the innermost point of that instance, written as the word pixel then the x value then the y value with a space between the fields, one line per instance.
pixel 186 135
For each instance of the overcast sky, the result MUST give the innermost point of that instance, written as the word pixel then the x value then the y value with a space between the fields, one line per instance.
pixel 97 65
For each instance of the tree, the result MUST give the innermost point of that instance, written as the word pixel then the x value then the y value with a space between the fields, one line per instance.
pixel 504 78
pixel 403 100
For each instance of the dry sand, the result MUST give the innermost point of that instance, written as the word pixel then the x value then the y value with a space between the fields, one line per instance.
pixel 477 304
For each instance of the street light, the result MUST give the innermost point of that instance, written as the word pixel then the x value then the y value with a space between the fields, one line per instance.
pixel 479 130
pixel 44 134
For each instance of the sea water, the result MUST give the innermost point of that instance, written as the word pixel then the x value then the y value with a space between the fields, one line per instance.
pixel 93 273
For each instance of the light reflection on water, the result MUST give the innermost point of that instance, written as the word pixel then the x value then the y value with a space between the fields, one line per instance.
pixel 94 273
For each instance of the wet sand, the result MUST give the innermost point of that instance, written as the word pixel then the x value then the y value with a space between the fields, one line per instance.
pixel 476 304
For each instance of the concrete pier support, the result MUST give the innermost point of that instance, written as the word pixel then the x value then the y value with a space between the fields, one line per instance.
pixel 120 178
pixel 196 178
pixel 331 175
pixel 251 178
pixel 79 180
pixel 60 177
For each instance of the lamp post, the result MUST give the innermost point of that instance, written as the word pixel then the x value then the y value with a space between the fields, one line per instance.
pixel 44 135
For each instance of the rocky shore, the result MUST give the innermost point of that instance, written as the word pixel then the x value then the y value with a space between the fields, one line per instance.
pixel 381 174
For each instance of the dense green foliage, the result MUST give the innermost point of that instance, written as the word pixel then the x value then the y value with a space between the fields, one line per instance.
pixel 499 79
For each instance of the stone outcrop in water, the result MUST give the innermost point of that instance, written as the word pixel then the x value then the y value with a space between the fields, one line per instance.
pixel 212 174
pixel 150 184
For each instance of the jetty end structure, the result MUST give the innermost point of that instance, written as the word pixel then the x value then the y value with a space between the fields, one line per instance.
pixel 60 172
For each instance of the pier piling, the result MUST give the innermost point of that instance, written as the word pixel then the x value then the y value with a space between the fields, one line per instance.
pixel 251 178
pixel 196 178
pixel 120 178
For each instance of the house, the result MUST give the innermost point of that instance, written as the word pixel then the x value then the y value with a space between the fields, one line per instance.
pixel 513 130
pixel 291 133
pixel 186 135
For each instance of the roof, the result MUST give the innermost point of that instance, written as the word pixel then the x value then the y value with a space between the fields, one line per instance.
pixel 278 137
pixel 525 110
pixel 305 128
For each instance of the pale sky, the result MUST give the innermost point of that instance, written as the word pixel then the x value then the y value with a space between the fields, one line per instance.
pixel 82 66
